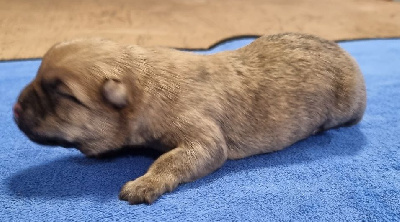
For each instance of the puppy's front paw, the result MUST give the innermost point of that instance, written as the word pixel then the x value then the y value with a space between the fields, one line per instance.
pixel 144 189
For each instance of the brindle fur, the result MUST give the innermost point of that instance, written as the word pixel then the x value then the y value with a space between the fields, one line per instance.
pixel 201 110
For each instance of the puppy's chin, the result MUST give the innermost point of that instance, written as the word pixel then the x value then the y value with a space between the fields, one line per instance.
pixel 52 141
pixel 88 149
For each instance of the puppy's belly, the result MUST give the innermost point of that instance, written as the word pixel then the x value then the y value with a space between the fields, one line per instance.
pixel 265 139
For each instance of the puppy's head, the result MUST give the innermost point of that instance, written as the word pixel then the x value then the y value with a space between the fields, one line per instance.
pixel 81 97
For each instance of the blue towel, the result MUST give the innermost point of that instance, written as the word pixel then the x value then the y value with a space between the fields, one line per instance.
pixel 346 174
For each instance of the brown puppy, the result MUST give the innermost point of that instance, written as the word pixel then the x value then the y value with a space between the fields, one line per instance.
pixel 200 110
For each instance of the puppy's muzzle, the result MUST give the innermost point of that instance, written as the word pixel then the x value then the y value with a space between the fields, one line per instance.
pixel 17 110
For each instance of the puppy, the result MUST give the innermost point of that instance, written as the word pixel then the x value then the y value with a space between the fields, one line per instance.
pixel 200 110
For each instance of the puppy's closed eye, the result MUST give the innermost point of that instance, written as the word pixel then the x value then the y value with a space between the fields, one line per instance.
pixel 65 93
pixel 61 91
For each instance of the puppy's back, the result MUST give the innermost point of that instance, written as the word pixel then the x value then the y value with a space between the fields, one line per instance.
pixel 293 85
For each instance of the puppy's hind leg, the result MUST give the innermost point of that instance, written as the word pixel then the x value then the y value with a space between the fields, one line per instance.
pixel 352 122
pixel 334 124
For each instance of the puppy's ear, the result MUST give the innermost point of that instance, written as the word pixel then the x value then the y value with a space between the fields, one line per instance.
pixel 115 93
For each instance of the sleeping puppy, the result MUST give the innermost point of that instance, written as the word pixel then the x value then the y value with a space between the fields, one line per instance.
pixel 199 110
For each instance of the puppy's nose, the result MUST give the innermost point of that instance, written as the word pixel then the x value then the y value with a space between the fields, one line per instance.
pixel 17 110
